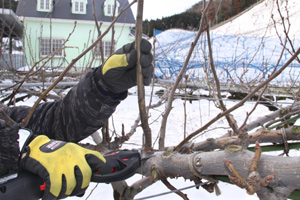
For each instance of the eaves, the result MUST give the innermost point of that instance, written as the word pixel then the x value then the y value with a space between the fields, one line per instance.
pixel 72 21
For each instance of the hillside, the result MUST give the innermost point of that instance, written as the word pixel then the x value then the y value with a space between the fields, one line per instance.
pixel 245 48
pixel 258 21
pixel 219 11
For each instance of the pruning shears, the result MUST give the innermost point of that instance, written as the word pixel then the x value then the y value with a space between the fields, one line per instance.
pixel 120 165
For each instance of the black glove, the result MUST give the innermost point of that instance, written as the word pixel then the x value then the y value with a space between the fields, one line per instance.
pixel 65 167
pixel 118 73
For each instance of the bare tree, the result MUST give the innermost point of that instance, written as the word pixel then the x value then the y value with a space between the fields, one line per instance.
pixel 270 177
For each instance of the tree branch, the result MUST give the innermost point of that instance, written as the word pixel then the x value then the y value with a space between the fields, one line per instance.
pixel 229 117
pixel 182 71
pixel 220 115
pixel 212 163
pixel 263 136
pixel 140 80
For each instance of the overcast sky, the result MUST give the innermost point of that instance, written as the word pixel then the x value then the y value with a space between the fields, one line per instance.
pixel 156 9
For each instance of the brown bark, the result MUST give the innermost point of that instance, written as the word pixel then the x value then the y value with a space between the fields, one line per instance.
pixel 140 80
pixel 262 136
pixel 203 165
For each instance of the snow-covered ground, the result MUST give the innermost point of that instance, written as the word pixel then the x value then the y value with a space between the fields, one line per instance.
pixel 198 113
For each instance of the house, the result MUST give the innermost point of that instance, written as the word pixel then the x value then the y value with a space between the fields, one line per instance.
pixel 68 27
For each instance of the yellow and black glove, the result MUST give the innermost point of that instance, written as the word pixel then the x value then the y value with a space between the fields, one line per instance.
pixel 118 73
pixel 65 167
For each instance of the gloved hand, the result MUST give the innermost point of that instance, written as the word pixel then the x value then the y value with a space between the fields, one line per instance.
pixel 118 73
pixel 65 167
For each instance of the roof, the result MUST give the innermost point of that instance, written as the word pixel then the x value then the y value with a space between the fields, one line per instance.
pixel 132 32
pixel 10 24
pixel 25 9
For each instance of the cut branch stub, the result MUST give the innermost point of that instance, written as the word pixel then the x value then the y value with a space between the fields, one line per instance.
pixel 234 148
pixel 295 130
pixel 154 172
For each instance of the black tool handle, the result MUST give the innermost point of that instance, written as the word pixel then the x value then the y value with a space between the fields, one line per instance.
pixel 123 164
pixel 25 186
pixel 120 164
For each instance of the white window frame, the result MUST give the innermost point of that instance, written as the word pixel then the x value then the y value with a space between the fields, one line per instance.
pixel 79 6
pixel 44 5
pixel 48 46
pixel 109 6
pixel 106 45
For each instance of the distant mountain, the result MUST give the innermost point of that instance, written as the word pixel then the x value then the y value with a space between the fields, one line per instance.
pixel 219 11
pixel 185 20
pixel 264 19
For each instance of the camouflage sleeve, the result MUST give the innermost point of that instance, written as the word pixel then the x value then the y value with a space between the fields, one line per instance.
pixel 80 113
pixel 9 149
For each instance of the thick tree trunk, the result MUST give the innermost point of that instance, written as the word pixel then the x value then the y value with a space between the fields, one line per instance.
pixel 203 165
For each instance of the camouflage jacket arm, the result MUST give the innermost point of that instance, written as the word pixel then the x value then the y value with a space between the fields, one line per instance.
pixel 80 113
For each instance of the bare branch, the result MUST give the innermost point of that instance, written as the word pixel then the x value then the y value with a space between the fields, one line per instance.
pixel 229 117
pixel 140 80
pixel 178 80
pixel 263 136
pixel 242 101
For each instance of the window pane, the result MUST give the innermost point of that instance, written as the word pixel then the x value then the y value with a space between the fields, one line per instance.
pixel 109 7
pixel 45 47
pixel 47 4
pixel 76 7
pixel 81 7
pixel 57 44
pixel 107 45
pixel 42 4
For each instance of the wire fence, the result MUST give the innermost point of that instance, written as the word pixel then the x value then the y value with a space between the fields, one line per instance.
pixel 234 57
pixel 12 61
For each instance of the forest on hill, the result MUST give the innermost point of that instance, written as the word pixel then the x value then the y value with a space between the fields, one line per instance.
pixel 219 11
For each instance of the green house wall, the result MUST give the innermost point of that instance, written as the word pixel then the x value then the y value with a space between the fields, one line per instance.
pixel 83 33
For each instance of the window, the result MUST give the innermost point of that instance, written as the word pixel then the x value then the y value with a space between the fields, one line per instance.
pixel 79 6
pixel 110 9
pixel 109 6
pixel 106 45
pixel 48 46
pixel 44 5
